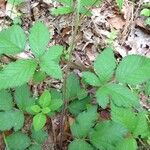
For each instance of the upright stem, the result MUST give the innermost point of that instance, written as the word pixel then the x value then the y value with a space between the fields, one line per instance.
pixel 66 72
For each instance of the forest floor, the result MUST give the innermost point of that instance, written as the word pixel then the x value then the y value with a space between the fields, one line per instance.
pixel 127 28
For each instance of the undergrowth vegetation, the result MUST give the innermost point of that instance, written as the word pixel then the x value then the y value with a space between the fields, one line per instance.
pixel 116 85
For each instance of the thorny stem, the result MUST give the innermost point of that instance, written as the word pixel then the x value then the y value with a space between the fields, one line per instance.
pixel 66 72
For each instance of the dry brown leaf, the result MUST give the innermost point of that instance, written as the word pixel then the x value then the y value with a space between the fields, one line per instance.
pixel 116 22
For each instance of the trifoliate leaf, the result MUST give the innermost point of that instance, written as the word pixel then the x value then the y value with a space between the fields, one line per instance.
pixel 39 136
pixel 107 134
pixel 11 119
pixel 6 102
pixel 61 10
pixel 78 144
pixel 127 144
pixel 18 141
pixel 39 121
pixel 23 97
pixel 133 73
pixel 82 94
pixel 12 40
pixel 39 38
pixel 105 64
pixel 120 95
pixel 91 79
pixel 77 106
pixel 52 68
pixel 17 73
pixel 83 123
pixel 45 99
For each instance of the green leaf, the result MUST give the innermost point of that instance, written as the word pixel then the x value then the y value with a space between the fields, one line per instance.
pixel 127 144
pixel 72 86
pixel 62 10
pixel 53 53
pixel 46 110
pixel 17 73
pixel 18 141
pixel 52 68
pixel 36 108
pixel 6 102
pixel 145 12
pixel 89 2
pixel 12 40
pixel 83 123
pixel 82 94
pixel 120 95
pixel 131 120
pixel 147 88
pixel 77 106
pixel 56 101
pixel 11 119
pixel 39 121
pixel 23 97
pixel 106 135
pixel 45 99
pixel 39 136
pixel 120 3
pixel 38 77
pixel 66 2
pixel 39 38
pixel 15 2
pixel 78 144
pixel 35 147
pixel 91 78
pixel 105 64
pixel 133 73
pixel 147 21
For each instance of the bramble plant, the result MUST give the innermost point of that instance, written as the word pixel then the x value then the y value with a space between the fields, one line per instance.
pixel 115 88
